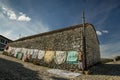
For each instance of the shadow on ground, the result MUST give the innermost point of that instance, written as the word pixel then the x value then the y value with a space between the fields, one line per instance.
pixel 58 78
pixel 106 69
pixel 15 71
pixel 10 70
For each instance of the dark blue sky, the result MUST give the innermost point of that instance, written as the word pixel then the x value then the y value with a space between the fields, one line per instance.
pixel 28 17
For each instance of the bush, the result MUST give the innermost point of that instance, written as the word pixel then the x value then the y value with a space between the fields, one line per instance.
pixel 106 60
pixel 117 57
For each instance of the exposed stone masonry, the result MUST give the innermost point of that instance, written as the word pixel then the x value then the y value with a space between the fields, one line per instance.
pixel 65 39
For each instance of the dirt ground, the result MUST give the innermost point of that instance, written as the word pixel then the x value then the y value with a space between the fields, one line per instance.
pixel 14 69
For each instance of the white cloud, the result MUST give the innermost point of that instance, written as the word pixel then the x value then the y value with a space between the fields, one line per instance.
pixel 23 17
pixel 99 33
pixel 12 25
pixel 20 13
pixel 13 16
pixel 12 29
pixel 105 31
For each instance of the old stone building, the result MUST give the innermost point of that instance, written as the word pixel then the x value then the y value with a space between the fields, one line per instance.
pixel 70 38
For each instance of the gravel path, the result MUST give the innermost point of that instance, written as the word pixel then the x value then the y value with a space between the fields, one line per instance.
pixel 108 71
pixel 13 69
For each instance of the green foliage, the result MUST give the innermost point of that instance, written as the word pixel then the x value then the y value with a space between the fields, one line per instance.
pixel 117 57
pixel 106 60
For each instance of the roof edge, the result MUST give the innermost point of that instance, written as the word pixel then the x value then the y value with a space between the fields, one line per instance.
pixel 6 38
pixel 54 31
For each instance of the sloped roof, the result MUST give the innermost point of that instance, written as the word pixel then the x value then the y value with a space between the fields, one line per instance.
pixel 6 38
pixel 54 31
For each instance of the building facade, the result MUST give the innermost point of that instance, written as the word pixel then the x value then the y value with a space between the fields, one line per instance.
pixel 70 38
pixel 3 42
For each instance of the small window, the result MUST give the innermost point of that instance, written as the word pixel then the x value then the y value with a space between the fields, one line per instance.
pixel 3 41
pixel 6 42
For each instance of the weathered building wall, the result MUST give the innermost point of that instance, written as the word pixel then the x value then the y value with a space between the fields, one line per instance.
pixel 65 39
pixel 92 46
pixel 70 39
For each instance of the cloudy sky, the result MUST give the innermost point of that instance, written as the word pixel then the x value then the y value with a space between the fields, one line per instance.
pixel 19 18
